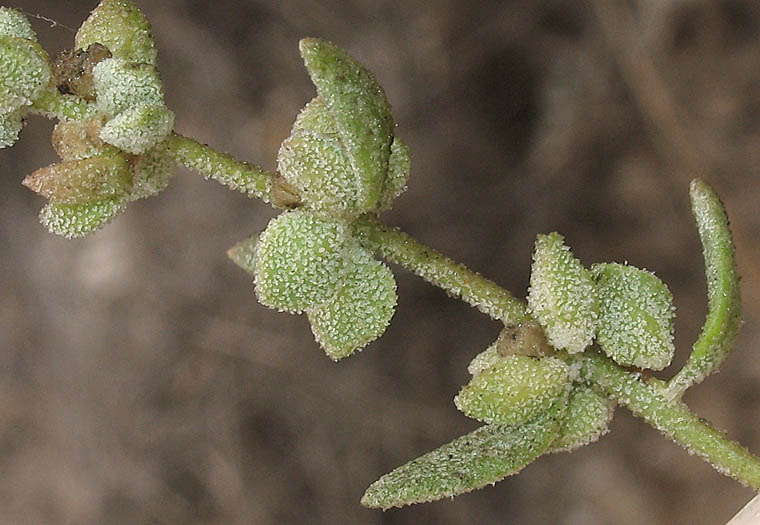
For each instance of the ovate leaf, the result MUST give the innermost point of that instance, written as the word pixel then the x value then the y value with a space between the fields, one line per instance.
pixel 361 310
pixel 514 390
pixel 122 28
pixel 562 295
pixel 482 457
pixel 300 261
pixel 635 316
pixel 360 110
pixel 586 419
pixel 77 220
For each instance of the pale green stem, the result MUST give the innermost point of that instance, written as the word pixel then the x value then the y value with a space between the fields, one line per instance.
pixel 456 279
pixel 673 419
pixel 53 104
pixel 644 399
pixel 225 169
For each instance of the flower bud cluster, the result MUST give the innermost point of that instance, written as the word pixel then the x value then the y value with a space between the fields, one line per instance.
pixel 116 155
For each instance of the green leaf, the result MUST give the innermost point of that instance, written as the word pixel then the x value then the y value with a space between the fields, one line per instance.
pixel 139 128
pixel 10 126
pixel 77 220
pixel 399 166
pixel 244 254
pixel 79 139
pixel 361 310
pixel 82 181
pixel 122 28
pixel 482 457
pixel 514 390
pixel 635 316
pixel 300 261
pixel 361 113
pixel 485 359
pixel 24 72
pixel 562 295
pixel 14 23
pixel 586 419
pixel 151 172
pixel 313 160
pixel 121 85
pixel 724 309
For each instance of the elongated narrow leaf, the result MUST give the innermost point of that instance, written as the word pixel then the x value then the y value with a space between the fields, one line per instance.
pixel 723 298
pixel 482 457
pixel 361 111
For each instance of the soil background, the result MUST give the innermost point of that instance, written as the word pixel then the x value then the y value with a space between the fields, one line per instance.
pixel 141 382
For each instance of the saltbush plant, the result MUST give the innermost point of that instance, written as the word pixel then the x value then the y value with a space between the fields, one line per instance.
pixel 580 345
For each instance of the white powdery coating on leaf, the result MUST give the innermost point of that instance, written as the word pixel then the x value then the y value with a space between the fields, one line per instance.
pixel 77 220
pixel 120 85
pixel 138 128
pixel 361 310
pixel 636 316
pixel 514 390
pixel 313 160
pixel 122 28
pixel 14 23
pixel 10 126
pixel 399 166
pixel 300 261
pixel 151 173
pixel 485 359
pixel 482 457
pixel 586 420
pixel 24 72
pixel 562 295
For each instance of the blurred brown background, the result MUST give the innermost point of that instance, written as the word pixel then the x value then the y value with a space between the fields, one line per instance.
pixel 141 382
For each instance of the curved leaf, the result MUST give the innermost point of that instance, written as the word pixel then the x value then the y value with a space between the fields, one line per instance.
pixel 361 112
pixel 724 309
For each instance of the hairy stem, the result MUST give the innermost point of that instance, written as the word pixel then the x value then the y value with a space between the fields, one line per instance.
pixel 644 399
pixel 437 269
pixel 672 418
pixel 53 104
pixel 225 169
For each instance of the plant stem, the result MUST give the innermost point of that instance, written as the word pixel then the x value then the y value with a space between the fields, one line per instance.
pixel 225 169
pixel 456 279
pixel 53 104
pixel 672 418
pixel 644 399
